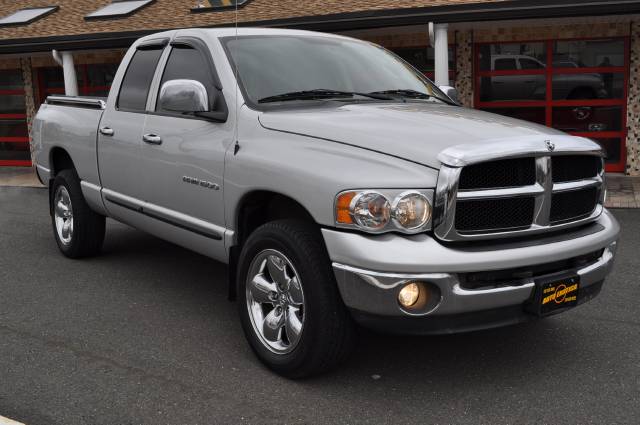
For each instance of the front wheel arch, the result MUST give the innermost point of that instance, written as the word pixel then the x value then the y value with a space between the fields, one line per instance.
pixel 255 209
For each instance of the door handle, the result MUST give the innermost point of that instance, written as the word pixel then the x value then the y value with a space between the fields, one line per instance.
pixel 152 139
pixel 107 131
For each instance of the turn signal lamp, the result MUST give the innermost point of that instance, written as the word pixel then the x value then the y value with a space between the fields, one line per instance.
pixel 343 206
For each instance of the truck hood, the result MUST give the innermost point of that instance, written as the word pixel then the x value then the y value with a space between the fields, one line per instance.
pixel 413 131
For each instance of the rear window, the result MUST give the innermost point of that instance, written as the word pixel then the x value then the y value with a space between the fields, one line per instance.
pixel 137 81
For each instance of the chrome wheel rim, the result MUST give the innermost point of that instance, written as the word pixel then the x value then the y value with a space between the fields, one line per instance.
pixel 275 301
pixel 63 215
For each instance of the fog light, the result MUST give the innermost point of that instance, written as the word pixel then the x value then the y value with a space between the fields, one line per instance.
pixel 409 295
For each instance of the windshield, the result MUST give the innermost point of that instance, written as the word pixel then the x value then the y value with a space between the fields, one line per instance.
pixel 270 66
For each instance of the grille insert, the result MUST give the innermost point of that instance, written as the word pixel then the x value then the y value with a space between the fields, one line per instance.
pixel 508 277
pixel 498 174
pixel 494 214
pixel 573 205
pixel 568 168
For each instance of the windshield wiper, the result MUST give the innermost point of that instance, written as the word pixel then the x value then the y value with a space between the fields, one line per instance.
pixel 319 94
pixel 413 94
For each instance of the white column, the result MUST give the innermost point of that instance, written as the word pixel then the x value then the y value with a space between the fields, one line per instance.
pixel 65 59
pixel 441 55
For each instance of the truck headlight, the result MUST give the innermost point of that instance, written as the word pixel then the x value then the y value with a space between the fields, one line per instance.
pixel 379 211
pixel 371 210
pixel 412 210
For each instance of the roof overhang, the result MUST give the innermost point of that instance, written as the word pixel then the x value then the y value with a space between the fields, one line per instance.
pixel 475 12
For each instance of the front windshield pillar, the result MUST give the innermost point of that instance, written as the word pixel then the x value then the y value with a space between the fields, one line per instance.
pixel 441 54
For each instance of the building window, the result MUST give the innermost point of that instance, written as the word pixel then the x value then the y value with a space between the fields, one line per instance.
pixel 14 135
pixel 213 5
pixel 93 80
pixel 423 59
pixel 119 9
pixel 577 86
pixel 26 16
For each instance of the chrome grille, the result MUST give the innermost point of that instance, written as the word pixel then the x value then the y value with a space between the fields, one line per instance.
pixel 566 190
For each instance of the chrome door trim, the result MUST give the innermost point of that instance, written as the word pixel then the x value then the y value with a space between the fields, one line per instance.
pixel 152 139
pixel 107 131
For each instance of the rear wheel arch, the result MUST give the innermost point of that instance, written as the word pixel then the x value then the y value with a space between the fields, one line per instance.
pixel 59 159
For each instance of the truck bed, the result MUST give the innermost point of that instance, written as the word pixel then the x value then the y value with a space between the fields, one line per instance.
pixel 70 123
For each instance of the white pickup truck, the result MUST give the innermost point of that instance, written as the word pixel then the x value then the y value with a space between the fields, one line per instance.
pixel 339 184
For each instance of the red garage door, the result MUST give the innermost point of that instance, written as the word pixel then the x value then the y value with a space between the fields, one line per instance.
pixel 577 86
pixel 93 80
pixel 14 135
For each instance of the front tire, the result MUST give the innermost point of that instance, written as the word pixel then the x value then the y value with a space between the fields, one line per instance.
pixel 78 230
pixel 288 300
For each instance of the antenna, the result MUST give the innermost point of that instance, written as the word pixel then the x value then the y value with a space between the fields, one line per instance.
pixel 236 148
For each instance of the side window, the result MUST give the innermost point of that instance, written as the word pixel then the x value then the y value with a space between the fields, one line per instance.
pixel 530 64
pixel 186 63
pixel 137 80
pixel 504 64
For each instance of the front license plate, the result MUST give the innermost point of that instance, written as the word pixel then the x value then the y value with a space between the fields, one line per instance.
pixel 555 294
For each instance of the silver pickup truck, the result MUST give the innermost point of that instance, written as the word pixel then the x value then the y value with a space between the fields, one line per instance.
pixel 337 182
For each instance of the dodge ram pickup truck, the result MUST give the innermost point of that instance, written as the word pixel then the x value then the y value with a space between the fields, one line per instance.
pixel 339 184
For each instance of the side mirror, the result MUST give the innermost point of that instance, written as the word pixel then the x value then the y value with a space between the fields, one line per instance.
pixel 451 93
pixel 183 96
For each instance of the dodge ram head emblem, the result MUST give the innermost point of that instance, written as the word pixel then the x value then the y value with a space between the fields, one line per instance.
pixel 550 145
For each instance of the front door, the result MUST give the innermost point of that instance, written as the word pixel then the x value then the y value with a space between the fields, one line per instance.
pixel 182 157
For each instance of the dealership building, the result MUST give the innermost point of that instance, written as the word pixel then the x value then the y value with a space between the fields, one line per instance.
pixel 571 65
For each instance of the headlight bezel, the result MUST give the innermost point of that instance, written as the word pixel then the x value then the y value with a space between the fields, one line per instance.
pixel 393 196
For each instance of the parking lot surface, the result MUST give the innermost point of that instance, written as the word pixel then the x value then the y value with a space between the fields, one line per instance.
pixel 144 334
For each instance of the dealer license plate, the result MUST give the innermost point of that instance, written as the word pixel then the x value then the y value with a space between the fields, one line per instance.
pixel 555 294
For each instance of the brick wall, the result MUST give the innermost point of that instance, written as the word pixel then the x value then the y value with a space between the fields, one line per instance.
pixel 464 67
pixel 27 72
pixel 633 104
pixel 522 32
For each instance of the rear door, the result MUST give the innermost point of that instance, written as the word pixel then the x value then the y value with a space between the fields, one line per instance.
pixel 120 132
pixel 183 169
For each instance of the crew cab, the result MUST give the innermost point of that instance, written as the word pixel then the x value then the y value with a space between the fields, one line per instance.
pixel 339 184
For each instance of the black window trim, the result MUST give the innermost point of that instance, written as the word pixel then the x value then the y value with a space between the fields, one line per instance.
pixel 53 9
pixel 199 45
pixel 119 15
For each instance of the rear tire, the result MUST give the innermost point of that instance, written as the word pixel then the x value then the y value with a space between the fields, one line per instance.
pixel 78 230
pixel 296 293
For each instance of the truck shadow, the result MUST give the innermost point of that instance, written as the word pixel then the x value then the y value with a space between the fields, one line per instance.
pixel 190 282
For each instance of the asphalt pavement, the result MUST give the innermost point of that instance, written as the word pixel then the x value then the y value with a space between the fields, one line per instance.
pixel 144 334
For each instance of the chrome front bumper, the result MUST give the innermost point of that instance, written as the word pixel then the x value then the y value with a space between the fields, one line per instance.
pixel 370 271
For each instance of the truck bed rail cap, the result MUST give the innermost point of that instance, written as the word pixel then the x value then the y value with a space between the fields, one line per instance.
pixel 76 101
